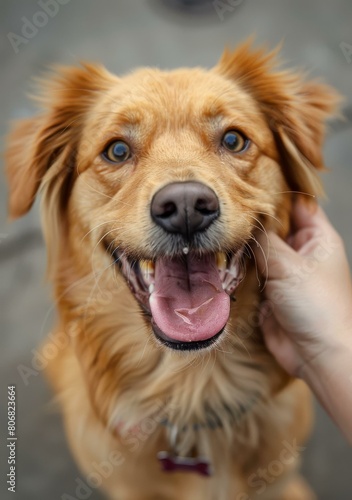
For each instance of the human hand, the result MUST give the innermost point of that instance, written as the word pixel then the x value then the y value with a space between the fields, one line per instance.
pixel 308 311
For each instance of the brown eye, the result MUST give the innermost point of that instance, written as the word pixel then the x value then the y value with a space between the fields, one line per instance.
pixel 117 152
pixel 234 141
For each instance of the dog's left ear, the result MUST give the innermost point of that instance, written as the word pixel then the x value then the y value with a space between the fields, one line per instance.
pixel 296 111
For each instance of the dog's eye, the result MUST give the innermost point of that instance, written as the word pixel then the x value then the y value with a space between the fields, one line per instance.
pixel 234 141
pixel 117 152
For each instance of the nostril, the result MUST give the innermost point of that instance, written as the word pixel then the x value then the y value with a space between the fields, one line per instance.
pixel 206 211
pixel 206 206
pixel 200 204
pixel 202 207
pixel 167 210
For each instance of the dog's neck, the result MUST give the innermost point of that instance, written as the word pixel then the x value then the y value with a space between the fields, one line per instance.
pixel 212 420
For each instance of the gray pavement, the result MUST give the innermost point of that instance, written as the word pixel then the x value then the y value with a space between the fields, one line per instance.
pixel 122 34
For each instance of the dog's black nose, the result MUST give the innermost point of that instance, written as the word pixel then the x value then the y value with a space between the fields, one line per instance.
pixel 185 207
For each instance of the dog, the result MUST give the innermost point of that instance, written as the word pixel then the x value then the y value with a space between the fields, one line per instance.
pixel 153 187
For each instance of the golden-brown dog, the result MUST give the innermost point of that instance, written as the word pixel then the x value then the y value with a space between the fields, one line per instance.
pixel 153 186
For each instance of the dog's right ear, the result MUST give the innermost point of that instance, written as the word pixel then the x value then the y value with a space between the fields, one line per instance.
pixel 49 141
pixel 24 168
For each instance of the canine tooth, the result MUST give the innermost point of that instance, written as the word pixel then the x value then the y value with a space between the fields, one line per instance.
pixel 221 261
pixel 146 266
pixel 151 287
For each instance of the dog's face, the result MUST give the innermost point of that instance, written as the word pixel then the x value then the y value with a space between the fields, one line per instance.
pixel 181 166
pixel 170 174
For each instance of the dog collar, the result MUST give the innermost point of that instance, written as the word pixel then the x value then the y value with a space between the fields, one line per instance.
pixel 172 462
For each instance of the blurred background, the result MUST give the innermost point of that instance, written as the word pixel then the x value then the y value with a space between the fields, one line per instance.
pixel 123 34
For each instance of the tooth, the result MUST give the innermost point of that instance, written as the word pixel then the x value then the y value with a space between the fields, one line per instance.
pixel 151 287
pixel 221 261
pixel 143 264
pixel 147 267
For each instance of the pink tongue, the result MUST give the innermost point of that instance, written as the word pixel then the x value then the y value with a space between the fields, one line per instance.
pixel 188 303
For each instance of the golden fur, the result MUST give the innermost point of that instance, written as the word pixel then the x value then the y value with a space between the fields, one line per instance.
pixel 115 381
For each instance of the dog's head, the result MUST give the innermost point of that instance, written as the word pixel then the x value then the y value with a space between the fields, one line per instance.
pixel 169 174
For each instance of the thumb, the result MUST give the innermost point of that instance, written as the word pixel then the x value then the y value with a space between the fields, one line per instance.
pixel 278 343
pixel 270 328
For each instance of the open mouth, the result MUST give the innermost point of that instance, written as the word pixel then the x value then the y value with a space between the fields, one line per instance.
pixel 187 296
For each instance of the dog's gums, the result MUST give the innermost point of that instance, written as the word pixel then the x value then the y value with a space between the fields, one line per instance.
pixel 187 297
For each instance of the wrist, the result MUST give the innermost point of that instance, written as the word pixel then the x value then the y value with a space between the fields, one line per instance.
pixel 335 358
pixel 329 376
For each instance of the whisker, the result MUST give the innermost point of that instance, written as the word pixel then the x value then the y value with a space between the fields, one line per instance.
pixel 96 190
pixel 272 216
pixel 296 192
pixel 95 227
pixel 92 256
pixel 256 264
pixel 237 339
pixel 148 340
pixel 262 228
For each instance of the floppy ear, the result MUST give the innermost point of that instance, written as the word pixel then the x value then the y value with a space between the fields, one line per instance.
pixel 46 145
pixel 296 111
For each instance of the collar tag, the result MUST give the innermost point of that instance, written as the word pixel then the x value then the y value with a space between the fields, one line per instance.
pixel 174 463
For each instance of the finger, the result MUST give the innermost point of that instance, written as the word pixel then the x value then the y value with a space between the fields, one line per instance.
pixel 310 229
pixel 278 343
pixel 308 216
pixel 271 331
pixel 274 257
